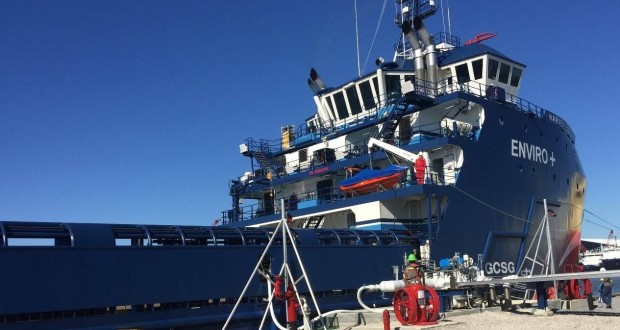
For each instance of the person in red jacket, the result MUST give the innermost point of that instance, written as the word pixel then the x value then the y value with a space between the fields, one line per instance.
pixel 420 168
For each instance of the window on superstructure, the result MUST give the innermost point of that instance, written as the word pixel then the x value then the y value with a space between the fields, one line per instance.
pixel 392 84
pixel 493 65
pixel 375 84
pixel 341 105
pixel 477 67
pixel 462 73
pixel 354 100
pixel 516 76
pixel 329 106
pixel 303 155
pixel 504 71
pixel 367 98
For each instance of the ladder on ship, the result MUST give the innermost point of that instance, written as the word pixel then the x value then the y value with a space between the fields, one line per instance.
pixel 399 107
pixel 396 113
pixel 262 153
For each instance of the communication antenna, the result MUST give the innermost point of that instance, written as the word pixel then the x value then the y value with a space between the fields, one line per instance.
pixel 449 17
pixel 443 19
pixel 357 42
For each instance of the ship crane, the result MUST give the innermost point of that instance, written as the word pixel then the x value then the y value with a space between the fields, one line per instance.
pixel 404 154
pixel 611 239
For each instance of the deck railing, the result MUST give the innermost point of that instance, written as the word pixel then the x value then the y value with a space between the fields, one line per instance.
pixel 332 194
pixel 305 133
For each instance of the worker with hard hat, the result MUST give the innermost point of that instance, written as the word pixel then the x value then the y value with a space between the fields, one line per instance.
pixel 411 274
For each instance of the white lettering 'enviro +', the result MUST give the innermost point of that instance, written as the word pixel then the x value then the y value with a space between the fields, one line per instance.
pixel 531 152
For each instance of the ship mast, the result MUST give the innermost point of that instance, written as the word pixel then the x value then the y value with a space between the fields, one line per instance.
pixel 407 11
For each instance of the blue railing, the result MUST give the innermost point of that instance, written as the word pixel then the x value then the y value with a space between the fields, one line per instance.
pixel 305 133
pixel 330 195
pixel 482 90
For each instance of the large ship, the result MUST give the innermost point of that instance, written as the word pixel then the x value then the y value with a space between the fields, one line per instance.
pixel 436 142
pixel 433 149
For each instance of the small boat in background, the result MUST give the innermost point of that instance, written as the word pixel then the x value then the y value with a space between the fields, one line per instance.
pixel 591 260
pixel 611 258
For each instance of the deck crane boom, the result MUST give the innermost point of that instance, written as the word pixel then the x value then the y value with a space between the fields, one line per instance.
pixel 404 154
pixel 611 239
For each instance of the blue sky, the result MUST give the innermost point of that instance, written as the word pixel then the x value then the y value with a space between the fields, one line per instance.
pixel 132 111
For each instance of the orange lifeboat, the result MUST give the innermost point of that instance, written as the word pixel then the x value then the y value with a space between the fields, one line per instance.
pixel 367 181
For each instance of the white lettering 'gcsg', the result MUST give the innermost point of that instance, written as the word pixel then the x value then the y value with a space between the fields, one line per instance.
pixel 497 268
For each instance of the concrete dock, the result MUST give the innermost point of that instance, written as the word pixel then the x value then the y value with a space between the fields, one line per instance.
pixel 561 315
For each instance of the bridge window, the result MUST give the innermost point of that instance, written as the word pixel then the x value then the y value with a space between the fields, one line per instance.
pixel 462 73
pixel 493 65
pixel 354 101
pixel 303 155
pixel 375 83
pixel 367 98
pixel 341 105
pixel 504 71
pixel 477 66
pixel 329 107
pixel 516 76
pixel 392 84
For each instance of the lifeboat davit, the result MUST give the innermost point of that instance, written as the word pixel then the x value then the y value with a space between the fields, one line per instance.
pixel 368 180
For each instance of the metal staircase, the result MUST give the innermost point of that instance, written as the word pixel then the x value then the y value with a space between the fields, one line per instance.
pixel 262 152
pixel 396 113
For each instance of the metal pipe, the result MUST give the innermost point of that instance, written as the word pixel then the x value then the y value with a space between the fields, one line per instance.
pixel 431 53
pixel 418 53
pixel 71 238
pixel 4 238
pixel 492 296
pixel 507 299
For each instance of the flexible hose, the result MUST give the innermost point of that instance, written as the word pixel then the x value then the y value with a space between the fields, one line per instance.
pixel 273 315
pixel 386 286
pixel 359 299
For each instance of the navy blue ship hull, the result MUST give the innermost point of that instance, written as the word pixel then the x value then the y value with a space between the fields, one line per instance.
pixel 498 198
pixel 156 287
